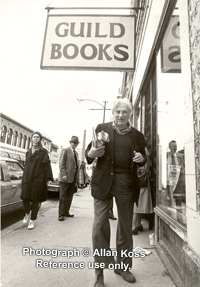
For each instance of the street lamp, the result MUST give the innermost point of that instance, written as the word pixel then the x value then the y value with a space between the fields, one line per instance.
pixel 103 106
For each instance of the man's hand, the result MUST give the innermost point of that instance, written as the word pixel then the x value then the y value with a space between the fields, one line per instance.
pixel 138 158
pixel 96 151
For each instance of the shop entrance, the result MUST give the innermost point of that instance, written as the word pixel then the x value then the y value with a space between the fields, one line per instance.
pixel 146 122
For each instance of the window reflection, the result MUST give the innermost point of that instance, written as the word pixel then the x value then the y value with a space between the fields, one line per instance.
pixel 176 179
pixel 170 96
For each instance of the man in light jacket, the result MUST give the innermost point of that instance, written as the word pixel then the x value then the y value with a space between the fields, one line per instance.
pixel 68 165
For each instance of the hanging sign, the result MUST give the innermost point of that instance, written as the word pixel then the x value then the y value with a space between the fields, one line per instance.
pixel 94 42
pixel 171 48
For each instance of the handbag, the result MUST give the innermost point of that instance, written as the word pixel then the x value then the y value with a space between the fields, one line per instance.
pixel 142 175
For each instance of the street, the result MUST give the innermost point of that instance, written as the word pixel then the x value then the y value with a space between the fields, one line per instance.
pixel 59 254
pixel 17 216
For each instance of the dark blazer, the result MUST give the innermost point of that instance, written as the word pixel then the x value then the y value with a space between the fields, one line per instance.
pixel 67 165
pixel 102 177
pixel 37 171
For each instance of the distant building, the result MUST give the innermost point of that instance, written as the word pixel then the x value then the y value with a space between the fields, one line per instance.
pixel 54 153
pixel 15 140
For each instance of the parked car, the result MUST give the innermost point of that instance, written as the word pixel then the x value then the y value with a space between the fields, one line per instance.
pixel 10 183
pixel 54 185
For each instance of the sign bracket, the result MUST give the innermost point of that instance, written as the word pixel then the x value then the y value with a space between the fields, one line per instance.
pixel 94 8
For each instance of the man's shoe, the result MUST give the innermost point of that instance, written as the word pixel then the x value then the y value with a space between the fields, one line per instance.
pixel 61 218
pixel 126 275
pixel 151 224
pixel 31 224
pixel 26 218
pixel 140 227
pixel 112 217
pixel 69 215
pixel 135 231
pixel 99 282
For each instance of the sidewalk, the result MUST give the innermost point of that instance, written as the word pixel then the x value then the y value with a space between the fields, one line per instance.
pixel 73 238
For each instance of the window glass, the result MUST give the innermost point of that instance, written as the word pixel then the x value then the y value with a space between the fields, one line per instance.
pixel 1 174
pixel 9 138
pixel 15 138
pixel 171 156
pixel 24 142
pixel 15 170
pixel 3 134
pixel 20 140
pixel 28 144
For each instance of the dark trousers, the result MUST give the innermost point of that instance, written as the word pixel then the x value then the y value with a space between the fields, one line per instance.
pixel 122 191
pixel 66 195
pixel 33 207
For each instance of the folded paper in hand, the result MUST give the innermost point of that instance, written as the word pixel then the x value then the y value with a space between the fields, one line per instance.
pixel 100 138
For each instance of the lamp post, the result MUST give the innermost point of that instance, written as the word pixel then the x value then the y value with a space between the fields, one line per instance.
pixel 103 106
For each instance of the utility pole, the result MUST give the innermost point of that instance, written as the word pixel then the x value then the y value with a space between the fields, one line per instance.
pixel 103 106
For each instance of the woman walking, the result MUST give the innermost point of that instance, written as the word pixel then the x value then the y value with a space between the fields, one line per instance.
pixel 37 172
pixel 83 178
pixel 145 201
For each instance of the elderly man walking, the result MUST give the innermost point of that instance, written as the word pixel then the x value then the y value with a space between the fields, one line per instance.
pixel 115 175
pixel 68 165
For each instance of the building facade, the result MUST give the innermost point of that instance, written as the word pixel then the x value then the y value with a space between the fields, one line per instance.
pixel 15 140
pixel 165 92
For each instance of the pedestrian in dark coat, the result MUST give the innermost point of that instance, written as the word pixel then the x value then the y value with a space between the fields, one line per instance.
pixel 119 149
pixel 37 172
pixel 68 165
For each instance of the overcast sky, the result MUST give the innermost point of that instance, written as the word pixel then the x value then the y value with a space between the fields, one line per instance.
pixel 47 100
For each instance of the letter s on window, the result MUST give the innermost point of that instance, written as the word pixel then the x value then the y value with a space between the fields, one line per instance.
pixel 175 55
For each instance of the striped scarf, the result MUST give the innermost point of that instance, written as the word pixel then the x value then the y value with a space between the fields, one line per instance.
pixel 122 132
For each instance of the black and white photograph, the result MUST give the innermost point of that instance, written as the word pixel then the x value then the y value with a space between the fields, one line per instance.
pixel 100 143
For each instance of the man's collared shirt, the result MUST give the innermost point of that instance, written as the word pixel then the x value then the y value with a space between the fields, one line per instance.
pixel 121 132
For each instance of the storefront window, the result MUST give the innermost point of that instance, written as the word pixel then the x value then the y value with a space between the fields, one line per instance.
pixel 137 116
pixel 171 196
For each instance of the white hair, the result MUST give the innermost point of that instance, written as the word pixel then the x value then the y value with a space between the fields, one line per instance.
pixel 122 101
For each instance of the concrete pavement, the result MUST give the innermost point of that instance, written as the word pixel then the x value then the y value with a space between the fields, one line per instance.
pixel 57 253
